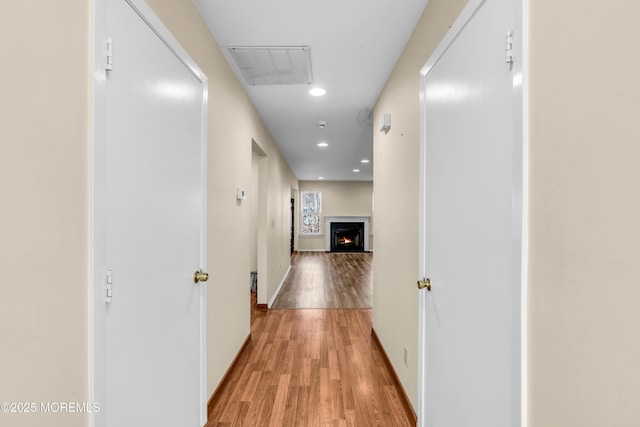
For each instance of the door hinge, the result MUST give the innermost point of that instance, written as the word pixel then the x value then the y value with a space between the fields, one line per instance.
pixel 509 46
pixel 109 64
pixel 108 287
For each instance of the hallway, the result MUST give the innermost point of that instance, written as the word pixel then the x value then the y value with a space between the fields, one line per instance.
pixel 328 280
pixel 312 367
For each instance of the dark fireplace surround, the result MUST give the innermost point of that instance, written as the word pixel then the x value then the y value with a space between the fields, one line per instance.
pixel 347 237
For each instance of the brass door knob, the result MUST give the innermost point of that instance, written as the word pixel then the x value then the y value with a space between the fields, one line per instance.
pixel 426 283
pixel 200 276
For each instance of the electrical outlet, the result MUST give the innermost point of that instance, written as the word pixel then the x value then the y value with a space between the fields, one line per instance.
pixel 406 356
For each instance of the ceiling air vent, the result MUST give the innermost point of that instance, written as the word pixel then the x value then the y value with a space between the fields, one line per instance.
pixel 278 65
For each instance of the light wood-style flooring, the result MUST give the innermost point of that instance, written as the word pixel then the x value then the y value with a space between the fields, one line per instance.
pixel 309 368
pixel 328 280
pixel 312 366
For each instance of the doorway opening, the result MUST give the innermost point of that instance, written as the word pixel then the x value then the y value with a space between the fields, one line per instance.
pixel 258 224
pixel 293 225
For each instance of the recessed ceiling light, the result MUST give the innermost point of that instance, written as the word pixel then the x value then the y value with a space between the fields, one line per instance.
pixel 321 177
pixel 356 170
pixel 364 161
pixel 317 91
pixel 322 144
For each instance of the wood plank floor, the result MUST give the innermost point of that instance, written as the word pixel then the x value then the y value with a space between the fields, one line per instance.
pixel 310 368
pixel 328 280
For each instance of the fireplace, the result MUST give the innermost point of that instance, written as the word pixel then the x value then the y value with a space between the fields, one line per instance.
pixel 347 237
pixel 328 228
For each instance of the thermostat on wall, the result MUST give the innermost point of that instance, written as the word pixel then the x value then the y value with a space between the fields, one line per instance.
pixel 240 195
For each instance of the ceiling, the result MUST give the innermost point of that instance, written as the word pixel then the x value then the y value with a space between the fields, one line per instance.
pixel 354 45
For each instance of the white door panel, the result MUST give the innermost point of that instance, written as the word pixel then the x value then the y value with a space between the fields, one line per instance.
pixel 153 229
pixel 471 316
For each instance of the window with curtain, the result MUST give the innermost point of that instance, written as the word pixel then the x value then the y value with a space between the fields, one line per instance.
pixel 311 209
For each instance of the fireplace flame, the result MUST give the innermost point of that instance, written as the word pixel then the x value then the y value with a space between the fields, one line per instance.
pixel 345 241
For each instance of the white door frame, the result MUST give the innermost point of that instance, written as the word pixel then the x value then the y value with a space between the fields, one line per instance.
pixel 520 190
pixel 97 331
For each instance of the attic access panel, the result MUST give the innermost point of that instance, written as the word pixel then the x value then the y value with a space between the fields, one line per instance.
pixel 277 65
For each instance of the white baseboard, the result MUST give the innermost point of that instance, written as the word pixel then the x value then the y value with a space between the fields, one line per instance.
pixel 275 294
pixel 312 250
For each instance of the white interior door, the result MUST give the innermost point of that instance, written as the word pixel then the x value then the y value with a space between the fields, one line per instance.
pixel 472 226
pixel 154 240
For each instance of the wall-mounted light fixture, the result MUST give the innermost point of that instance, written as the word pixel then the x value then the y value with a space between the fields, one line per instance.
pixel 385 123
